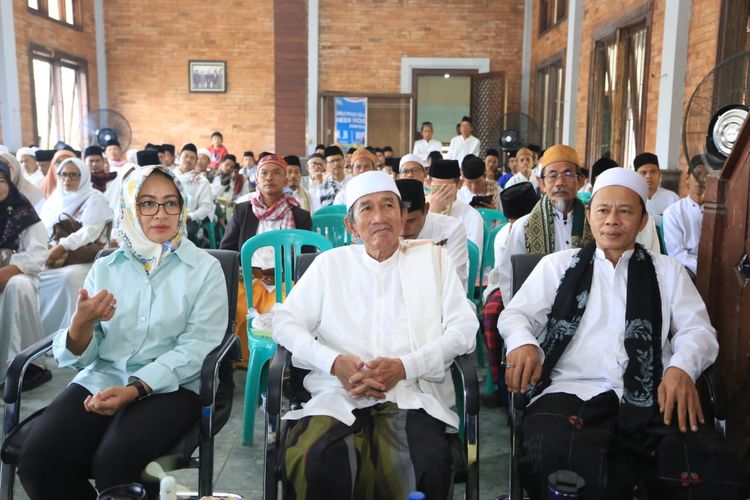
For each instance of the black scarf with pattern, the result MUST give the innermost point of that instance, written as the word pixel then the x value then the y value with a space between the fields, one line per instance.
pixel 643 322
pixel 16 213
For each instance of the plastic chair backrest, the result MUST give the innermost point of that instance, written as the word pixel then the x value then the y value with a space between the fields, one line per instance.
pixel 332 226
pixel 286 243
pixel 473 268
pixel 489 253
pixel 662 241
pixel 492 217
pixel 522 264
pixel 585 198
pixel 332 209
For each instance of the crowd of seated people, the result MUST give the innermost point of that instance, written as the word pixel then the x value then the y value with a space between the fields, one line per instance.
pixel 59 207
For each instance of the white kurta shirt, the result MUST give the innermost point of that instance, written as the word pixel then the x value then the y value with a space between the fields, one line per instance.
pixel 35 178
pixel 199 202
pixel 595 359
pixel 472 221
pixel 682 231
pixel 438 227
pixel 424 148
pixel 461 147
pixel 499 246
pixel 658 203
pixel 349 303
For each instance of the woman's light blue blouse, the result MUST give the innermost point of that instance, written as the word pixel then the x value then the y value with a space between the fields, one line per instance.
pixel 164 325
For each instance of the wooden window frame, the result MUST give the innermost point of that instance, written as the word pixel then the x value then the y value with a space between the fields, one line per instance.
pixel 547 22
pixel 43 12
pixel 57 59
pixel 541 101
pixel 614 31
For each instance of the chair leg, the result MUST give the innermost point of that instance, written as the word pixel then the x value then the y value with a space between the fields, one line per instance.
pixel 253 388
pixel 7 480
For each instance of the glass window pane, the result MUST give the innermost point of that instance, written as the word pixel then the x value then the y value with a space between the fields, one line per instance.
pixel 69 12
pixel 33 4
pixel 53 9
pixel 43 100
pixel 71 104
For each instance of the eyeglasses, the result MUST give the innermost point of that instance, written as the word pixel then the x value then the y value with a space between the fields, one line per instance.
pixel 171 207
pixel 567 176
pixel 70 175
pixel 412 171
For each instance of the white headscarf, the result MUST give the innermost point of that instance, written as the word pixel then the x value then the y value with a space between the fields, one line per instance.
pixel 128 225
pixel 96 209
pixel 30 191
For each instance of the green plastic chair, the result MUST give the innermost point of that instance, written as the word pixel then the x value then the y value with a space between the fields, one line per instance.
pixel 585 198
pixel 331 226
pixel 332 209
pixel 662 241
pixel 473 270
pixel 492 219
pixel 287 243
pixel 210 229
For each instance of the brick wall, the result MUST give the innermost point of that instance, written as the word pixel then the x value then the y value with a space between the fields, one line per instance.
pixel 35 29
pixel 361 43
pixel 149 45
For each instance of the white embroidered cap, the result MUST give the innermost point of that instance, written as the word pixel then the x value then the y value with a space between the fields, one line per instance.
pixel 410 157
pixel 624 177
pixel 367 183
pixel 25 152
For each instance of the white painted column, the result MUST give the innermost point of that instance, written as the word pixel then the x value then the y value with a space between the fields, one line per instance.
pixel 313 13
pixel 672 82
pixel 572 69
pixel 10 98
pixel 101 53
pixel 526 56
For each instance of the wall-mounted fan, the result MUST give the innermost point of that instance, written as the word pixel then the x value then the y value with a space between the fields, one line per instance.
pixel 716 111
pixel 102 125
pixel 518 131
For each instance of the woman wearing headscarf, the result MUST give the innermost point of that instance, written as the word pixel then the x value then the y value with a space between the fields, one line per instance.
pixel 75 198
pixel 49 183
pixel 26 188
pixel 146 317
pixel 23 250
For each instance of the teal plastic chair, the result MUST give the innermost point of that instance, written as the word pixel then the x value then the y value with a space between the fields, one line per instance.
pixel 473 270
pixel 287 244
pixel 210 229
pixel 662 241
pixel 332 227
pixel 492 219
pixel 332 209
pixel 585 198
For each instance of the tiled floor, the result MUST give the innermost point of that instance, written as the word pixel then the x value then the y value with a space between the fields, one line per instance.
pixel 238 469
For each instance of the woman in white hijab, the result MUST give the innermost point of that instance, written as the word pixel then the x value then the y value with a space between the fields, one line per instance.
pixel 75 197
pixel 146 317
pixel 29 190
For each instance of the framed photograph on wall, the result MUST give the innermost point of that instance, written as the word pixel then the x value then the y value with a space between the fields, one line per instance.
pixel 207 76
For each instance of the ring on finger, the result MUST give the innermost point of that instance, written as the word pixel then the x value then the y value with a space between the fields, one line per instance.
pixel 509 366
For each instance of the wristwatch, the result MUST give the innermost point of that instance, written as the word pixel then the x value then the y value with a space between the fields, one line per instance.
pixel 141 388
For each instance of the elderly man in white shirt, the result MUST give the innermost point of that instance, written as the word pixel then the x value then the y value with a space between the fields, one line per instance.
pixel 683 220
pixel 464 144
pixel 421 224
pixel 647 164
pixel 609 338
pixel 426 144
pixel 379 380
pixel 27 159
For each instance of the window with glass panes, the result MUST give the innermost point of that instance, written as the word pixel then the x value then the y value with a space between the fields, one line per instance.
pixel 549 102
pixel 64 11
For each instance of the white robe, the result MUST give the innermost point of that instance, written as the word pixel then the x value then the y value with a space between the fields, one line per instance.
pixel 682 231
pixel 198 191
pixel 423 148
pixel 595 359
pixel 460 147
pixel 658 203
pixel 21 324
pixel 347 302
pixel 472 222
pixel 438 227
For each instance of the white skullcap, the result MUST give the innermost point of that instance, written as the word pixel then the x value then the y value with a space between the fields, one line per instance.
pixel 375 181
pixel 410 157
pixel 24 152
pixel 204 151
pixel 624 177
pixel 4 149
